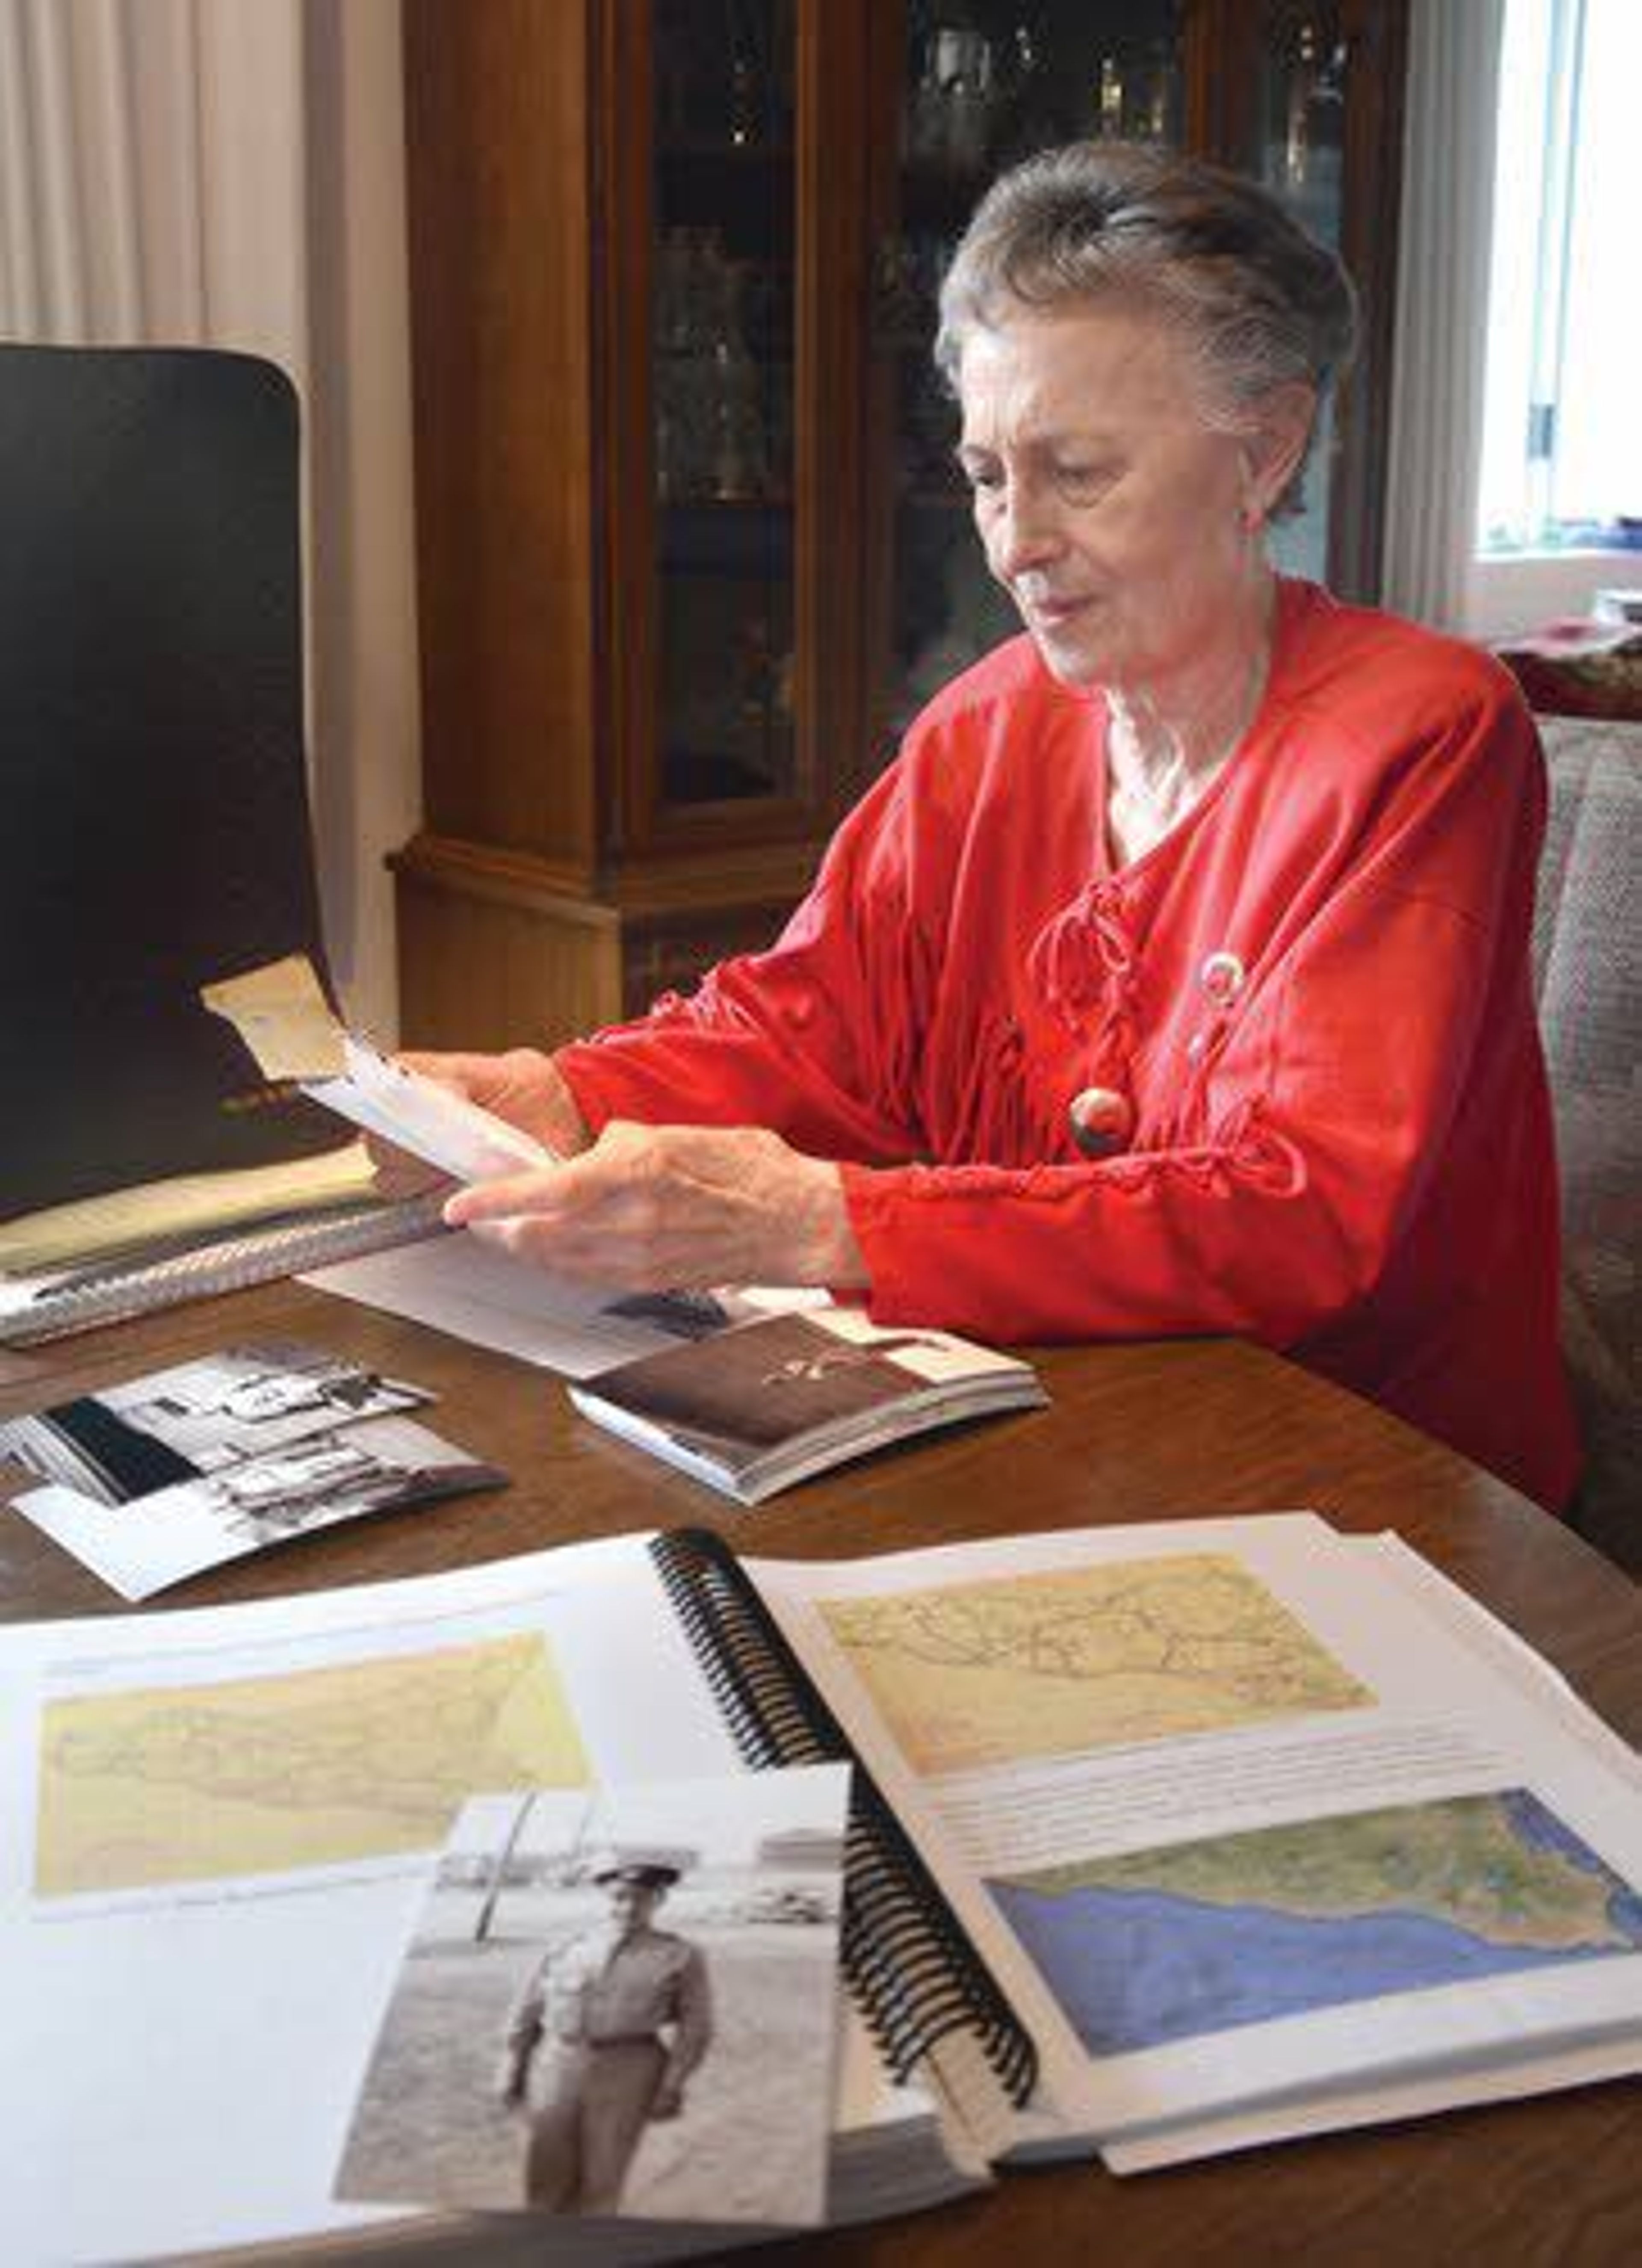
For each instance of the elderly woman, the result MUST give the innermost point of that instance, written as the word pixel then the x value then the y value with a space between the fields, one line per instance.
pixel 1174 978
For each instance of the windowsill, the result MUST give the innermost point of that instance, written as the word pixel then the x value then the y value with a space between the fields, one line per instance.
pixel 1512 593
pixel 1532 555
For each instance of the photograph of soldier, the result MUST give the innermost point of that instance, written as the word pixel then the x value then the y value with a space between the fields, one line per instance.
pixel 603 2040
pixel 619 2001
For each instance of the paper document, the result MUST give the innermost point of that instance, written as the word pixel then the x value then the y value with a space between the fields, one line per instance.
pixel 473 1291
pixel 1232 1821
pixel 416 1113
pixel 281 1013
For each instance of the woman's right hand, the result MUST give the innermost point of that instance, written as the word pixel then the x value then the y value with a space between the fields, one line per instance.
pixel 522 1086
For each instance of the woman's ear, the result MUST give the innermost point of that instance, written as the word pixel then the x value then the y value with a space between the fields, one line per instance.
pixel 1274 446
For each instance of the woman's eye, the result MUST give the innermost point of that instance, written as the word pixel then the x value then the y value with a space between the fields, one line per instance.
pixel 981 478
pixel 1082 482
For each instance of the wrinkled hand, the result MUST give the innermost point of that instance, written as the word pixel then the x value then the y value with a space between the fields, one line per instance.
pixel 683 1208
pixel 523 1086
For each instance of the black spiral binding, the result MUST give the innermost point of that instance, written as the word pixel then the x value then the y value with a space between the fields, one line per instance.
pixel 913 1966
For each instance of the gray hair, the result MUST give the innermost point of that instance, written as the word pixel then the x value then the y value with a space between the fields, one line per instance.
pixel 1260 302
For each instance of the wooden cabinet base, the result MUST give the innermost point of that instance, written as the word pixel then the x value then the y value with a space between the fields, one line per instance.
pixel 500 949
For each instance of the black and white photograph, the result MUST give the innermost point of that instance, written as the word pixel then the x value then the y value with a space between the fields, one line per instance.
pixel 146 1544
pixel 619 2003
pixel 207 1417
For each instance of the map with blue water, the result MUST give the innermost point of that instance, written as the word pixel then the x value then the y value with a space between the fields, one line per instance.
pixel 1199 1938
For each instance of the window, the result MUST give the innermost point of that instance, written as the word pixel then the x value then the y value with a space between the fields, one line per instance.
pixel 1561 447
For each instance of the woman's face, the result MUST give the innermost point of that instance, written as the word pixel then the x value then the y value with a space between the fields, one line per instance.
pixel 1111 511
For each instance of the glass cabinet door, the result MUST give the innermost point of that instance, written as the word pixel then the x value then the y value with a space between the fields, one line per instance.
pixel 723 267
pixel 982 83
pixel 1300 131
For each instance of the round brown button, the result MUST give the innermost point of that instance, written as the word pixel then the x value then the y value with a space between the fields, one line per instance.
pixel 1101 1121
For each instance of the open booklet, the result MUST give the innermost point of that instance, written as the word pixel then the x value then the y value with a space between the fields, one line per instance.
pixel 768 1403
pixel 1164 1839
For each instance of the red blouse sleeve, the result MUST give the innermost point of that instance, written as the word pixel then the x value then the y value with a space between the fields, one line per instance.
pixel 1400 1010
pixel 816 1038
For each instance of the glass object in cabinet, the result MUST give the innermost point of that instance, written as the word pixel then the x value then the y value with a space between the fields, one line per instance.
pixel 1302 149
pixel 986 82
pixel 722 263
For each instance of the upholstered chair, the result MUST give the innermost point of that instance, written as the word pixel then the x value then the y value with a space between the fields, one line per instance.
pixel 1588 976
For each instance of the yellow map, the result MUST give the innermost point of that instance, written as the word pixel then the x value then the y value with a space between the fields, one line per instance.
pixel 1089 1657
pixel 307 1768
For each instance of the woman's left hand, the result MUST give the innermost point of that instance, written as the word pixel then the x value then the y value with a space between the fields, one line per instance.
pixel 686 1208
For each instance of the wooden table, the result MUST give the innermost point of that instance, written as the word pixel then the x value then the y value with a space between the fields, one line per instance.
pixel 1136 1432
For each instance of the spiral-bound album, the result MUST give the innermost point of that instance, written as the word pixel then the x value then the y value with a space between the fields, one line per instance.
pixel 1162 1841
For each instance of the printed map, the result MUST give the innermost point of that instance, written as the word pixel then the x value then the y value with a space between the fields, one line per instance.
pixel 1044 1665
pixel 1201 1937
pixel 307 1768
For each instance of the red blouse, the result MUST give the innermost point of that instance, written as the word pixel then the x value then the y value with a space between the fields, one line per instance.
pixel 1313 993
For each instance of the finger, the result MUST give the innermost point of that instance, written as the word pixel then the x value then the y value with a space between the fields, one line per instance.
pixel 611 1172
pixel 507 1196
pixel 462 1073
pixel 570 1255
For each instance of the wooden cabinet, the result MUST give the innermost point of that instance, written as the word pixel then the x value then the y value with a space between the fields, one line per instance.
pixel 690 547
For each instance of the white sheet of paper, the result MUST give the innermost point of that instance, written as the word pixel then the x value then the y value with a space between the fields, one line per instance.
pixel 468 1289
pixel 434 1123
pixel 1337 2111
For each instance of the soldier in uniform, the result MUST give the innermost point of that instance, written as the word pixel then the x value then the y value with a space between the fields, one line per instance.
pixel 602 2040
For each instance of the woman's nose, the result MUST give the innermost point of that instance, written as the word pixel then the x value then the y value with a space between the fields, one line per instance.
pixel 1024 534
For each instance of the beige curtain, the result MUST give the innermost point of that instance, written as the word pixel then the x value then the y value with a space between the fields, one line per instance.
pixel 229 173
pixel 1439 359
pixel 153 170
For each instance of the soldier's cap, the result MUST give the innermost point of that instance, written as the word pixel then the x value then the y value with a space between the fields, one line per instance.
pixel 643 1874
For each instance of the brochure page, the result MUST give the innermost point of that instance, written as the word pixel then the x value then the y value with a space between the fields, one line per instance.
pixel 1232 1816
pixel 215 1830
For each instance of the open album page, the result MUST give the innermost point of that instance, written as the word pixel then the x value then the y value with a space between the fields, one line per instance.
pixel 1234 1818
pixel 1535 2070
pixel 215 1830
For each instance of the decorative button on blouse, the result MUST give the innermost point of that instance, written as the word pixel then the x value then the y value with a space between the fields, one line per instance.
pixel 1102 1121
pixel 1222 977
